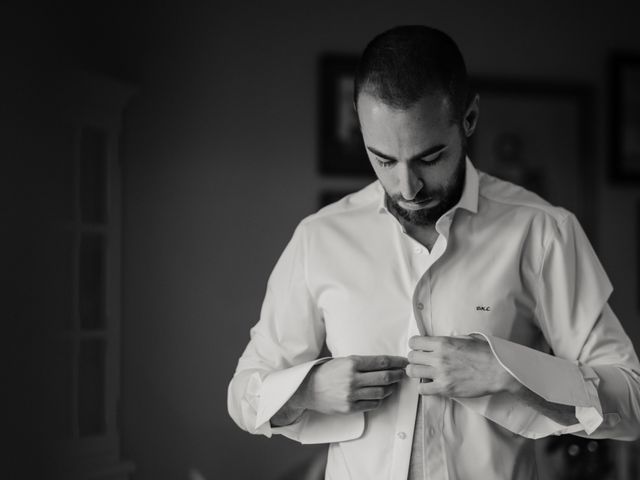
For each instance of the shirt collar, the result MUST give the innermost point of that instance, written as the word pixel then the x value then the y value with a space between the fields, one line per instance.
pixel 468 199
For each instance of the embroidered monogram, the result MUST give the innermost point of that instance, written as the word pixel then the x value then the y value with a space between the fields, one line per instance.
pixel 483 308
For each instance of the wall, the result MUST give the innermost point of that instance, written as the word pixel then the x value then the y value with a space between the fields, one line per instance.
pixel 220 152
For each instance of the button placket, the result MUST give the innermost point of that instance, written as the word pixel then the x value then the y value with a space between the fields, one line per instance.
pixel 405 422
pixel 421 262
pixel 426 303
pixel 433 451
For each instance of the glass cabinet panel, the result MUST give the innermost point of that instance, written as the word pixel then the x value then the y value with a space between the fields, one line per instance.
pixel 60 298
pixel 91 387
pixel 92 280
pixel 93 175
pixel 60 388
pixel 82 372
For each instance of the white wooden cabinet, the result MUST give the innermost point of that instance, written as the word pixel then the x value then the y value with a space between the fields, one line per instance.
pixel 86 350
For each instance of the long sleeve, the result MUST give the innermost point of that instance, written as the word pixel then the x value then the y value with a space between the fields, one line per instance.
pixel 283 347
pixel 593 367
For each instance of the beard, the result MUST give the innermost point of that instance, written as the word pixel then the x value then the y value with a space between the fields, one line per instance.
pixel 448 195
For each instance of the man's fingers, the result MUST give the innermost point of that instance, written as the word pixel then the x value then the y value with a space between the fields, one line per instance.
pixel 372 393
pixel 427 344
pixel 420 371
pixel 384 377
pixel 366 405
pixel 370 363
pixel 421 357
pixel 431 388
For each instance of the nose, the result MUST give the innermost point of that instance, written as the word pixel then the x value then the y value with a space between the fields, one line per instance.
pixel 409 183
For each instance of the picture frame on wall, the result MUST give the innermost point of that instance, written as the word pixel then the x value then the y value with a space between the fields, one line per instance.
pixel 638 263
pixel 340 147
pixel 624 70
pixel 537 134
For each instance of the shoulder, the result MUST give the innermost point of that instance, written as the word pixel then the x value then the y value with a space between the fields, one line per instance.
pixel 496 194
pixel 349 211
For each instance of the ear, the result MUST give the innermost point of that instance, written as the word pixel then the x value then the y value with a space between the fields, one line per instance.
pixel 470 119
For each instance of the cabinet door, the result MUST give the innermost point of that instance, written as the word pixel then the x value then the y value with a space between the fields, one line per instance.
pixel 86 356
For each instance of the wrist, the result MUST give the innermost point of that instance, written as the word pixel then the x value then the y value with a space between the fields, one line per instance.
pixel 509 383
pixel 505 382
pixel 286 416
pixel 297 404
pixel 301 399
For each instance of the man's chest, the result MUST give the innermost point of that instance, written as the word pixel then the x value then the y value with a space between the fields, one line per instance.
pixel 372 303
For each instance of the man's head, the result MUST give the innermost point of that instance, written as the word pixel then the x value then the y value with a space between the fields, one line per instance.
pixel 415 111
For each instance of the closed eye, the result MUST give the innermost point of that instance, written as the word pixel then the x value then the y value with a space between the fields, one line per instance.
pixel 432 159
pixel 385 163
pixel 429 156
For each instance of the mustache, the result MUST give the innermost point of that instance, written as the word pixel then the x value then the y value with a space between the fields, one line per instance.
pixel 420 198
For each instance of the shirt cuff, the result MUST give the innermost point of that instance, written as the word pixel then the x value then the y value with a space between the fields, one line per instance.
pixel 311 427
pixel 277 388
pixel 555 379
pixel 316 427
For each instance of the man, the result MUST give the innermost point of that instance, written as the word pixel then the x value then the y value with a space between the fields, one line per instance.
pixel 441 292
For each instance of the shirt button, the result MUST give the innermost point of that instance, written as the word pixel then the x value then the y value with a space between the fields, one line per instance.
pixel 402 435
pixel 420 306
pixel 418 249
pixel 432 431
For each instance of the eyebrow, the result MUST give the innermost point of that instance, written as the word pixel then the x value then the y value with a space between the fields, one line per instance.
pixel 424 153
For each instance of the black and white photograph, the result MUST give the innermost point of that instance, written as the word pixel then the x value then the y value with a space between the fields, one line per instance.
pixel 319 240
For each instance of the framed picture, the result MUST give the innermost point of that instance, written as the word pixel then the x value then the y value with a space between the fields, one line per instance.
pixel 538 135
pixel 638 255
pixel 625 116
pixel 340 147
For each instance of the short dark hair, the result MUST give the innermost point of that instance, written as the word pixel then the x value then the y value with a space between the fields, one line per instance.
pixel 402 65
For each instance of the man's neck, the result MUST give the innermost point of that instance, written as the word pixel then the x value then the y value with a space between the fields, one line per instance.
pixel 425 234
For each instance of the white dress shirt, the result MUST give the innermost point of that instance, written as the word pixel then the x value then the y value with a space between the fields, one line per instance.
pixel 506 265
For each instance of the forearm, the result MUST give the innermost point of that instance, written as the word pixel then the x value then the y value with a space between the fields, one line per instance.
pixel 256 395
pixel 619 393
pixel 266 403
pixel 562 414
pixel 596 395
pixel 293 408
pixel 343 386
pixel 286 416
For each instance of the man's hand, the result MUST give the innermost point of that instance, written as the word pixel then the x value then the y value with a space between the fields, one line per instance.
pixel 460 366
pixel 350 384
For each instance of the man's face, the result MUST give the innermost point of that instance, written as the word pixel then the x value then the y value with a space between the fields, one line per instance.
pixel 417 154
